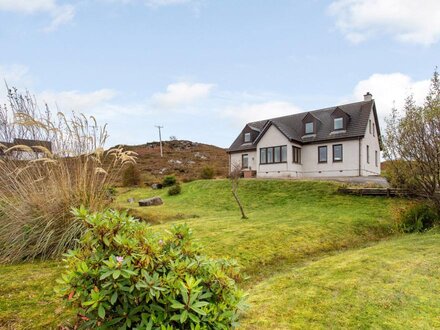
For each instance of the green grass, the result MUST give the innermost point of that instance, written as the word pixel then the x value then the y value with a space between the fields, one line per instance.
pixel 27 299
pixel 392 285
pixel 315 258
pixel 288 221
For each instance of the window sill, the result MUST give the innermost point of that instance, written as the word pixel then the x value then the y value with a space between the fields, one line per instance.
pixel 273 163
pixel 337 161
pixel 322 162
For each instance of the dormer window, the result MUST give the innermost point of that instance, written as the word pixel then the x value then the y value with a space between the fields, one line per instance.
pixel 309 128
pixel 338 123
pixel 247 137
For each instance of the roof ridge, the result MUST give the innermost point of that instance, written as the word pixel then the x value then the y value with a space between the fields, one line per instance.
pixel 305 112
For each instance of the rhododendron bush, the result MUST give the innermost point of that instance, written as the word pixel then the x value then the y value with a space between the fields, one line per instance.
pixel 125 275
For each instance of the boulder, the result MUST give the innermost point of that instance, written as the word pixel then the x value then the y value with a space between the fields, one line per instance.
pixel 151 201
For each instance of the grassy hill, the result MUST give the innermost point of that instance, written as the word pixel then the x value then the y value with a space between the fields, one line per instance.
pixel 314 258
pixel 185 159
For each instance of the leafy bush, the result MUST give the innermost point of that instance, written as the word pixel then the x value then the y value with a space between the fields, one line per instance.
pixel 169 181
pixel 131 176
pixel 207 172
pixel 417 218
pixel 174 190
pixel 50 164
pixel 125 275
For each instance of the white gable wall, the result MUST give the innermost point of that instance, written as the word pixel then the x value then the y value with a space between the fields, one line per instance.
pixel 274 138
pixel 373 142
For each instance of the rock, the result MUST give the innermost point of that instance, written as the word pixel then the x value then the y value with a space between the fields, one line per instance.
pixel 172 161
pixel 130 200
pixel 151 201
pixel 156 186
pixel 200 155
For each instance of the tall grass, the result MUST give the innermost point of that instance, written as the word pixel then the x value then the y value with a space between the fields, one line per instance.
pixel 41 182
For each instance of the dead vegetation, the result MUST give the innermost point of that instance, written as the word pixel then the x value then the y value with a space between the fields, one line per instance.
pixel 41 182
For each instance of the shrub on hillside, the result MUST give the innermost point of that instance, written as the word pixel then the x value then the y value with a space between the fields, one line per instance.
pixel 175 190
pixel 207 172
pixel 49 164
pixel 131 176
pixel 169 181
pixel 417 218
pixel 125 275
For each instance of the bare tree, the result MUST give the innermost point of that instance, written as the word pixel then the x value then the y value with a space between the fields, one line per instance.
pixel 235 180
pixel 412 145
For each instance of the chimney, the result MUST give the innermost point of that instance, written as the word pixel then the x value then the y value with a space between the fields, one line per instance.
pixel 368 96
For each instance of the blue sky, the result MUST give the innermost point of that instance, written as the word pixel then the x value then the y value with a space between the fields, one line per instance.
pixel 203 68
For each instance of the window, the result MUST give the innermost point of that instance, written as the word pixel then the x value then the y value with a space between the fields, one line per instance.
pixel 338 123
pixel 247 137
pixel 322 154
pixel 263 155
pixel 296 155
pixel 270 155
pixel 376 158
pixel 374 130
pixel 284 154
pixel 369 125
pixel 368 154
pixel 309 128
pixel 244 161
pixel 273 155
pixel 277 154
pixel 337 152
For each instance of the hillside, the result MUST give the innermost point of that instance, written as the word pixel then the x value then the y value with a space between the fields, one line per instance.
pixel 314 258
pixel 185 159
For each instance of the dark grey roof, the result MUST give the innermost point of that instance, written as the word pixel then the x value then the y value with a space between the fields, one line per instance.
pixel 292 126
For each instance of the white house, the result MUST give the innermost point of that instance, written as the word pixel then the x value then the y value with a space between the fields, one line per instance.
pixel 343 140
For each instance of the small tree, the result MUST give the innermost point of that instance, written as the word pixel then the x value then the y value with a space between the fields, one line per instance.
pixel 234 176
pixel 412 145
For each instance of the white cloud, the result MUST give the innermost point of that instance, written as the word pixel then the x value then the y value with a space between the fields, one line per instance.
pixel 406 20
pixel 15 75
pixel 391 90
pixel 181 95
pixel 75 100
pixel 60 13
pixel 160 3
pixel 244 113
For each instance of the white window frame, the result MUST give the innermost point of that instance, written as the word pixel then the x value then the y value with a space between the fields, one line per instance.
pixel 306 130
pixel 338 120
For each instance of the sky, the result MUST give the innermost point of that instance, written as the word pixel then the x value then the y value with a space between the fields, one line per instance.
pixel 203 68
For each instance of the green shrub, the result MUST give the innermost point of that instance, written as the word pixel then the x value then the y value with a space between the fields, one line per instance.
pixel 207 172
pixel 169 181
pixel 418 218
pixel 125 275
pixel 174 190
pixel 131 176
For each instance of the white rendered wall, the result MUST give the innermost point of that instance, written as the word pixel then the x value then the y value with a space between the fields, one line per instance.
pixel 373 142
pixel 348 167
pixel 236 158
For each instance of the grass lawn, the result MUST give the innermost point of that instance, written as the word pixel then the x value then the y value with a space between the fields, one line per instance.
pixel 392 285
pixel 313 257
pixel 289 221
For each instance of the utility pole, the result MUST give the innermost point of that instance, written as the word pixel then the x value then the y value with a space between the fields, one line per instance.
pixel 160 139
